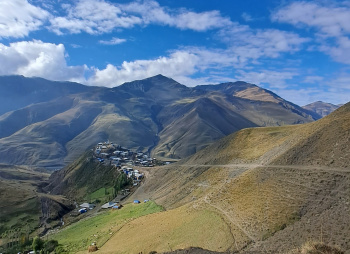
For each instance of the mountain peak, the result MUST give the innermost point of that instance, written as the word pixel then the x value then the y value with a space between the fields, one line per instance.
pixel 159 88
pixel 321 108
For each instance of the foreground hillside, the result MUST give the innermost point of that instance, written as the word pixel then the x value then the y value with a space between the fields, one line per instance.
pixel 267 190
pixel 24 206
pixel 46 123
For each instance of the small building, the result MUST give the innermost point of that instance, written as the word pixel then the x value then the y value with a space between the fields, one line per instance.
pixel 117 206
pixel 137 201
pixel 109 205
pixel 87 206
pixel 82 210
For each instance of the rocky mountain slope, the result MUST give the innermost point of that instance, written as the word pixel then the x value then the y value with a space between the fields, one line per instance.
pixel 275 188
pixel 47 123
pixel 321 108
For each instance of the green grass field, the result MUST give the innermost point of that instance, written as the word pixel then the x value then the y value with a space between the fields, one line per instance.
pixel 101 227
pixel 102 194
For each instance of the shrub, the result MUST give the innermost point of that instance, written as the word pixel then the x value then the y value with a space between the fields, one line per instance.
pixel 38 244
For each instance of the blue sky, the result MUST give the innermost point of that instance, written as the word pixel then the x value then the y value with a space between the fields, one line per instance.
pixel 298 49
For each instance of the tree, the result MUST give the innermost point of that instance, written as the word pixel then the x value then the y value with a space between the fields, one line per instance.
pixel 50 245
pixel 38 244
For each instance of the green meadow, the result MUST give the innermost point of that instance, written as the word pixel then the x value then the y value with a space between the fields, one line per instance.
pixel 101 227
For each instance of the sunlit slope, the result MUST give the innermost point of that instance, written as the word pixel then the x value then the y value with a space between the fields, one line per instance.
pixel 171 230
pixel 276 186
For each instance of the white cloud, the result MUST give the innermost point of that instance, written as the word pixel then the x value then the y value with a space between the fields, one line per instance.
pixel 36 58
pixel 331 24
pixel 178 64
pixel 342 81
pixel 306 95
pixel 99 16
pixel 275 79
pixel 18 18
pixel 249 45
pixel 246 17
pixel 313 79
pixel 151 12
pixel 330 20
pixel 113 41
pixel 340 52
pixel 93 17
pixel 200 21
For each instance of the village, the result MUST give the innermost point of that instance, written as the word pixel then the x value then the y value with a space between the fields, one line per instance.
pixel 124 160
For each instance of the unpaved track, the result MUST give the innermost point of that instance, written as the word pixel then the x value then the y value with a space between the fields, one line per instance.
pixel 253 165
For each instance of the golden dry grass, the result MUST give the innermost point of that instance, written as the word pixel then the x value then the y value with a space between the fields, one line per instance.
pixel 170 230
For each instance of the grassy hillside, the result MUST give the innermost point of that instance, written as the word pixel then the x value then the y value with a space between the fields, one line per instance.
pixel 277 187
pixel 101 227
pixel 170 230
pixel 20 204
pixel 83 179
pixel 252 191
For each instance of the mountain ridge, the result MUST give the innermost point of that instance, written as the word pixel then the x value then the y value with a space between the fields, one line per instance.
pixel 154 114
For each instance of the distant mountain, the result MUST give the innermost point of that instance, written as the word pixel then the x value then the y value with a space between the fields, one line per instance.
pixel 48 123
pixel 17 92
pixel 321 108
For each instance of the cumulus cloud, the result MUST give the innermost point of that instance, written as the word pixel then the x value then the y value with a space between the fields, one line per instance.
pixel 331 24
pixel 178 64
pixel 99 16
pixel 151 12
pixel 36 58
pixel 18 18
pixel 340 51
pixel 330 20
pixel 113 41
pixel 93 17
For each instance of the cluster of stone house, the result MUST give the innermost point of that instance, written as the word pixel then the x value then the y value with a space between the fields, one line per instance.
pixel 113 154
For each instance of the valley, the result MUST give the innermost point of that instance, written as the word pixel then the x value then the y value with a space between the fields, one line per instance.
pixel 174 127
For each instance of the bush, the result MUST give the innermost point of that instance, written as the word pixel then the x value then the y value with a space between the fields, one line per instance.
pixel 50 246
pixel 38 244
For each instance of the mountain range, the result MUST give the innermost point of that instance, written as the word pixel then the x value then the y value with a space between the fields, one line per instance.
pixel 47 123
